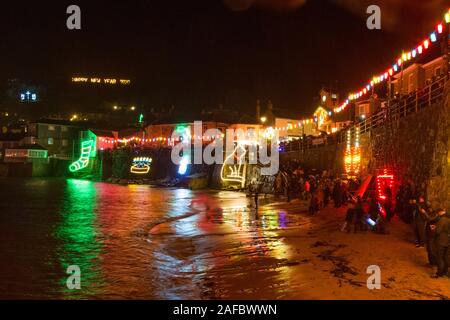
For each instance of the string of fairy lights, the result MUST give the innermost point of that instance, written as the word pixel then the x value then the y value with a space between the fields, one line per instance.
pixel 405 57
pixel 392 70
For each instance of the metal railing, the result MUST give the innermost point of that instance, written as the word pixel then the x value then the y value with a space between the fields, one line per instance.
pixel 397 108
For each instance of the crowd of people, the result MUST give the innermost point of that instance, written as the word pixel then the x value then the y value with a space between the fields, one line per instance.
pixel 320 189
pixel 431 227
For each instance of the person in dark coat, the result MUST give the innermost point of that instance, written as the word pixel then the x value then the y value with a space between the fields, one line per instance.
pixel 407 211
pixel 400 203
pixel 314 204
pixel 326 194
pixel 359 215
pixel 414 209
pixel 345 194
pixel 421 220
pixel 388 205
pixel 441 242
pixel 432 218
pixel 337 198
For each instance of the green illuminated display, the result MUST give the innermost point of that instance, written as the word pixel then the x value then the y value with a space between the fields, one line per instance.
pixel 83 161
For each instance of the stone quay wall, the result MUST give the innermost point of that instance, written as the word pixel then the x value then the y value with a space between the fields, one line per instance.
pixel 414 147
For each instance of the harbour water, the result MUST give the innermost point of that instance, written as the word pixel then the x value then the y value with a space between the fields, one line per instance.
pixel 130 242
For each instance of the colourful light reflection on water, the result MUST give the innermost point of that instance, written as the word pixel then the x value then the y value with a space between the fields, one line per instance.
pixel 58 223
pixel 77 236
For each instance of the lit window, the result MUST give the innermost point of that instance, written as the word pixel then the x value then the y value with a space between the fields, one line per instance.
pixel 50 141
pixel 64 142
pixel 51 128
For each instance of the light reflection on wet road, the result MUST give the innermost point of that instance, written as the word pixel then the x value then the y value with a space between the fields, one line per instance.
pixel 137 242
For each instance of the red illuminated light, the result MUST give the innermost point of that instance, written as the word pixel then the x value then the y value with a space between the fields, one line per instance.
pixel 384 181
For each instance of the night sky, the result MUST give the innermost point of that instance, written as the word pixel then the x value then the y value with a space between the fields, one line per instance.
pixel 201 53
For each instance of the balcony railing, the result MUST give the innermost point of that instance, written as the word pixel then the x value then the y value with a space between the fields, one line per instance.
pixel 397 108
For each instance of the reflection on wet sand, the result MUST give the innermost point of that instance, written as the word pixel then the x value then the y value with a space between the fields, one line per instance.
pixel 230 251
pixel 137 242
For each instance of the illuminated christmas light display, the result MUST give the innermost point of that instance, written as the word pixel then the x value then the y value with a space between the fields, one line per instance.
pixel 141 165
pixel 95 80
pixel 182 169
pixel 384 181
pixel 83 161
pixel 348 154
pixel 356 155
pixel 184 136
pixel 405 57
pixel 352 158
pixel 235 172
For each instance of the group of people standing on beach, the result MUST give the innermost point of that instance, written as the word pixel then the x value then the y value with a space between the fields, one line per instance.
pixel 318 188
pixel 432 231
pixel 431 227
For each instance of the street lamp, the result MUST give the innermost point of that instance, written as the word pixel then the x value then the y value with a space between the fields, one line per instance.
pixel 263 119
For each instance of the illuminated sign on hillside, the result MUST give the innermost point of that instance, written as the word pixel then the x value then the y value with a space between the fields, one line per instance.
pixel 28 96
pixel 96 80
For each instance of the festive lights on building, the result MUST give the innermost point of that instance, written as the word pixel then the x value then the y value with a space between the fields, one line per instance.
pixel 86 149
pixel 366 89
pixel 405 57
pixel 141 165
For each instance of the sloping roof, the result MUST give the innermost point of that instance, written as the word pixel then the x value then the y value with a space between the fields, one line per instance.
pixel 222 116
pixel 131 132
pixel 81 124
pixel 287 114
pixel 103 133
